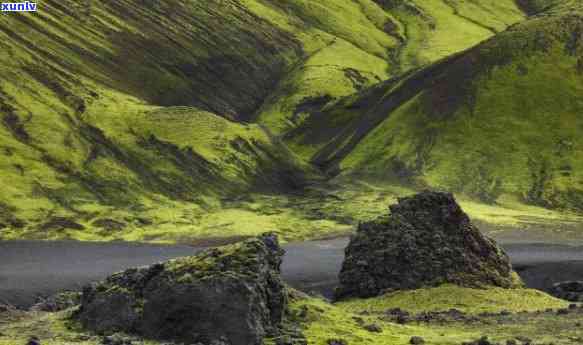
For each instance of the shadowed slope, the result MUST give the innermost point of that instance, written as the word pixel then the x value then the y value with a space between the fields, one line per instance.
pixel 167 53
pixel 80 136
pixel 113 113
pixel 502 118
pixel 350 45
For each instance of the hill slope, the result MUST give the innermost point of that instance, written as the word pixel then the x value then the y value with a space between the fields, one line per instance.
pixel 501 119
pixel 83 132
pixel 350 45
pixel 118 114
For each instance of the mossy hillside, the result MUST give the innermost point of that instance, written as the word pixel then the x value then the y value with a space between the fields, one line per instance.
pixel 121 153
pixel 84 136
pixel 319 212
pixel 135 155
pixel 171 53
pixel 74 147
pixel 351 45
pixel 532 7
pixel 226 69
pixel 497 120
pixel 436 29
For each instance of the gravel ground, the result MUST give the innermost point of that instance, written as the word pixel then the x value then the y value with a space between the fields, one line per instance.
pixel 29 269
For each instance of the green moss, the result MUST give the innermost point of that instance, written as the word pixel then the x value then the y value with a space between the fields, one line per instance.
pixel 496 121
pixel 239 259
pixel 373 41
pixel 98 112
pixel 322 321
pixel 51 328
pixel 445 297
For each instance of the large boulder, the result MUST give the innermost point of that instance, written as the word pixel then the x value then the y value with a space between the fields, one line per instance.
pixel 427 240
pixel 568 290
pixel 232 295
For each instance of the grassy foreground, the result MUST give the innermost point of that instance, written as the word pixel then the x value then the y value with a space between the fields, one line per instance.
pixel 323 321
pixel 467 300
pixel 348 320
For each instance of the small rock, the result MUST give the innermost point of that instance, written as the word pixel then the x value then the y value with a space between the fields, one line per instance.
pixel 523 340
pixel 61 223
pixel 482 341
pixel 304 312
pixel 572 306
pixel 116 339
pixel 33 341
pixel 416 341
pixel 373 328
pixel 402 319
pixel 143 221
pixel 61 301
pixel 289 340
pixel 110 225
pixel 511 342
pixel 336 342
pixel 562 311
pixel 82 337
pixel 568 290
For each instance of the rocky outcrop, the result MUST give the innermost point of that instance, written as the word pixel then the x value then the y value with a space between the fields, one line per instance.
pixel 232 294
pixel 427 240
pixel 568 290
pixel 58 302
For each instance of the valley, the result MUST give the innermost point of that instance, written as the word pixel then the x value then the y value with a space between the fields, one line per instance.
pixel 292 172
pixel 98 122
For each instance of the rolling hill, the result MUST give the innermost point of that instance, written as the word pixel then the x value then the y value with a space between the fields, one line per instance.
pixel 500 119
pixel 147 120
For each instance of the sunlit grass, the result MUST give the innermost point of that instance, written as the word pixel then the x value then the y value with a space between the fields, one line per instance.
pixel 446 297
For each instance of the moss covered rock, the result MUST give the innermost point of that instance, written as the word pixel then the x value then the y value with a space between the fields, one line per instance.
pixel 232 294
pixel 426 241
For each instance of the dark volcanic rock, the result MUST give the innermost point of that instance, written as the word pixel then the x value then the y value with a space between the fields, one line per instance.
pixel 417 341
pixel 569 290
pixel 426 241
pixel 34 340
pixel 233 294
pixel 61 301
pixel 61 223
pixel 110 225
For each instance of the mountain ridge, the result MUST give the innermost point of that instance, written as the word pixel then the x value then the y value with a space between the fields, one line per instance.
pixel 155 116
